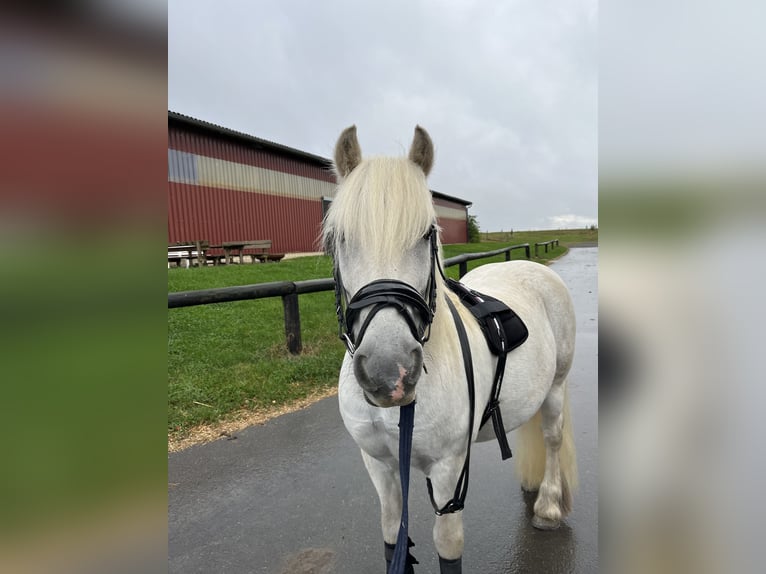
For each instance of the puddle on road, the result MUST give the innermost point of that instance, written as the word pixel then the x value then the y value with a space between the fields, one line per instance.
pixel 310 561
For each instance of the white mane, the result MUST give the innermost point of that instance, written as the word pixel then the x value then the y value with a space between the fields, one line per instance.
pixel 383 205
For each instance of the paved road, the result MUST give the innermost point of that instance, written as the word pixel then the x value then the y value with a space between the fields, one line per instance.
pixel 292 496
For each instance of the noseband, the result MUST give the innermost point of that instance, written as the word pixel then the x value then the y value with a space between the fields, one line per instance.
pixel 384 293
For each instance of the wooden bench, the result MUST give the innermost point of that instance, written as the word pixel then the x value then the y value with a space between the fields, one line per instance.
pixel 191 251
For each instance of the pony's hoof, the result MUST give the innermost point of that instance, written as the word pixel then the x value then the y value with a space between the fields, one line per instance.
pixel 545 523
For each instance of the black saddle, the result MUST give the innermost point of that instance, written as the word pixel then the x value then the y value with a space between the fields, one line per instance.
pixel 502 328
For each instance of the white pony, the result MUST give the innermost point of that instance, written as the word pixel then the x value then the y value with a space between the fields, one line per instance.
pixel 378 229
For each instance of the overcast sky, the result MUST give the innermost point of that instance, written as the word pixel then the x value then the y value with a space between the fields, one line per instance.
pixel 507 90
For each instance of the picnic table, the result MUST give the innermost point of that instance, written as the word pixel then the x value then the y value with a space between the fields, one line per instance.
pixel 238 247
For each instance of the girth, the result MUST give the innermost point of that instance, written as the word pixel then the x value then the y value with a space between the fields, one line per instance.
pixel 503 331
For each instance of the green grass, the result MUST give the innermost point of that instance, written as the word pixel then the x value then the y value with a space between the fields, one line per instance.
pixel 567 236
pixel 232 356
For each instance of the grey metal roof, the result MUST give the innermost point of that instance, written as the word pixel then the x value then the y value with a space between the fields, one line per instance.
pixel 252 140
pixel 446 197
pixel 262 143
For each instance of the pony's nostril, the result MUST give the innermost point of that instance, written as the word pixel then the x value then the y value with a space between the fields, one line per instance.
pixel 416 356
pixel 360 367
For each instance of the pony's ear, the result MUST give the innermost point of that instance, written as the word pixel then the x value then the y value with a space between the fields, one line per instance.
pixel 422 150
pixel 348 154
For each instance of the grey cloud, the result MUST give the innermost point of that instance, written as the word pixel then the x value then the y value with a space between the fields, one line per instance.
pixel 506 90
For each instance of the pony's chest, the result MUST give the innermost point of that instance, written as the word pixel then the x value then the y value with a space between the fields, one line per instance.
pixel 380 439
pixel 376 431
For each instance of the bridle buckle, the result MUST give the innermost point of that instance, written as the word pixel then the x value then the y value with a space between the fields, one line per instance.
pixel 349 344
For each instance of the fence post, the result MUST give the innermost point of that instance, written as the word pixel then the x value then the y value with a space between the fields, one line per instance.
pixel 201 262
pixel 527 250
pixel 463 268
pixel 292 323
pixel 508 255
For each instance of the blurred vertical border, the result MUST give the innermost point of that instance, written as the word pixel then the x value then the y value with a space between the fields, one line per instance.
pixel 82 287
pixel 682 214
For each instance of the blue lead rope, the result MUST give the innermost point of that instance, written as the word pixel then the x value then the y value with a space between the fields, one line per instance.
pixel 406 423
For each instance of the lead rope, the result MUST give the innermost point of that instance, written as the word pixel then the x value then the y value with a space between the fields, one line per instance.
pixel 400 560
pixel 457 502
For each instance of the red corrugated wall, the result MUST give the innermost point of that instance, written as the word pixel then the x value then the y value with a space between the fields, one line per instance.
pixel 455 226
pixel 196 211
pixel 289 214
pixel 453 230
pixel 217 215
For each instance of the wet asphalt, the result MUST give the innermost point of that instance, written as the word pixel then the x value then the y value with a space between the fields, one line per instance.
pixel 292 496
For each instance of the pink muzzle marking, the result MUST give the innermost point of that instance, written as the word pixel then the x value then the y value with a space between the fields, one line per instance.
pixel 398 393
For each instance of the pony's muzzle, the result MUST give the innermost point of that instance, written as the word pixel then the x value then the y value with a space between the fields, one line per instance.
pixel 388 379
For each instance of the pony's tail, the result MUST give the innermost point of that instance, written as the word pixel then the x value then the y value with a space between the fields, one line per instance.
pixel 530 455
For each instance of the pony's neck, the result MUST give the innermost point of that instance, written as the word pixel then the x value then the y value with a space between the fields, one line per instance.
pixel 442 327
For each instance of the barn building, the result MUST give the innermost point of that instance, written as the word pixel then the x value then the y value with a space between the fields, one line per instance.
pixel 224 185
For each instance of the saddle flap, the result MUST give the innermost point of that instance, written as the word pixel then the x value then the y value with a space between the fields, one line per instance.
pixel 503 329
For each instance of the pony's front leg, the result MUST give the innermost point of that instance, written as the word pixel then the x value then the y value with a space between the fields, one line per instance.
pixel 386 482
pixel 448 528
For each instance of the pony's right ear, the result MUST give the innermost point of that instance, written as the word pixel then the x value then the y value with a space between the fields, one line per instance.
pixel 348 154
pixel 422 150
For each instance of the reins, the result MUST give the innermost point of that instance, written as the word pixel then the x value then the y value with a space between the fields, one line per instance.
pixel 461 490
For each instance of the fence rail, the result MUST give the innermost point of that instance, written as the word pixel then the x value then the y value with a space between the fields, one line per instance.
pixel 463 259
pixel 553 243
pixel 245 292
pixel 290 290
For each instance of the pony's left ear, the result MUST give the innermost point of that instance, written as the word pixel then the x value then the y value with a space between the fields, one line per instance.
pixel 422 150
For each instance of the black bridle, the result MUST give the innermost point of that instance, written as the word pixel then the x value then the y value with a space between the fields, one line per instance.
pixel 384 293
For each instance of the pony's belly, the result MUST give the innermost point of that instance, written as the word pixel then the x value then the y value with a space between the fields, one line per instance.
pixel 512 419
pixel 520 398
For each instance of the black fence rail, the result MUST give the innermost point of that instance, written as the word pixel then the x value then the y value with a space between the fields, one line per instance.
pixel 553 243
pixel 463 259
pixel 290 290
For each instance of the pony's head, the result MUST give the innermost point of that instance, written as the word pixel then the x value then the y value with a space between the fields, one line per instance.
pixel 381 232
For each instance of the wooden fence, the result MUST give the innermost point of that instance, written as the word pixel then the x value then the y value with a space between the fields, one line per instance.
pixel 553 243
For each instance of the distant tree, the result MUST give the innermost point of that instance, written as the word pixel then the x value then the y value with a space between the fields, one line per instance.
pixel 474 235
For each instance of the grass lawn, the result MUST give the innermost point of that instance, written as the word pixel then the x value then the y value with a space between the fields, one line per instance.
pixel 230 357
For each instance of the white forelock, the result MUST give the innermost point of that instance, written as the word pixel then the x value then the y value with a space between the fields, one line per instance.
pixel 383 206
